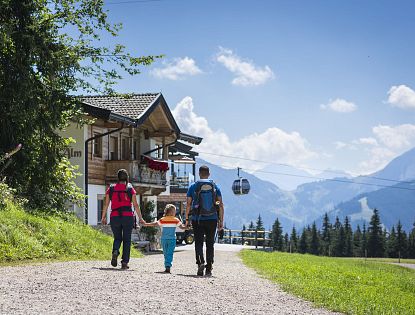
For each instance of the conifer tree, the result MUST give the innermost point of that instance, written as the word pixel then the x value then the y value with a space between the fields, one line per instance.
pixel 314 240
pixel 348 249
pixel 357 242
pixel 286 243
pixel 391 244
pixel 260 227
pixel 375 240
pixel 401 241
pixel 340 244
pixel 259 223
pixel 339 239
pixel 411 243
pixel 325 235
pixel 302 246
pixel 294 240
pixel 308 238
pixel 276 236
pixel 363 246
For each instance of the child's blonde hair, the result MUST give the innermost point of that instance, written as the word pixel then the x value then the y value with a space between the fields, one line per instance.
pixel 169 209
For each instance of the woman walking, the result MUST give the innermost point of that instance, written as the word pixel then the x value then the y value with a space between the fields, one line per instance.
pixel 122 196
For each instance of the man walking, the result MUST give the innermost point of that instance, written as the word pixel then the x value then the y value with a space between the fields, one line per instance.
pixel 204 209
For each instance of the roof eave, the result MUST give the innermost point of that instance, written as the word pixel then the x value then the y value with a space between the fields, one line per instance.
pixel 189 138
pixel 106 114
pixel 159 100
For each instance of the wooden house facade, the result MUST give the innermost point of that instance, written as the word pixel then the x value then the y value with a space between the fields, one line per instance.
pixel 132 132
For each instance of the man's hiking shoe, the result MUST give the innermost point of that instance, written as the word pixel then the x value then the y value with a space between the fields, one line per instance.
pixel 124 265
pixel 114 259
pixel 200 269
pixel 208 271
pixel 167 270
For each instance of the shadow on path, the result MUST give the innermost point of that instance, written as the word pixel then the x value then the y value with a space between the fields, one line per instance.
pixel 192 276
pixel 111 269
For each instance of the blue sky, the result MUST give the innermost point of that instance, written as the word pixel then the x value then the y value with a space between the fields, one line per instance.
pixel 319 84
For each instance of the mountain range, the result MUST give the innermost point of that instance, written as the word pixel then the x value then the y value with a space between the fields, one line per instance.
pixel 355 197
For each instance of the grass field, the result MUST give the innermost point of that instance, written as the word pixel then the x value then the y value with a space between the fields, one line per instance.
pixel 26 237
pixel 345 285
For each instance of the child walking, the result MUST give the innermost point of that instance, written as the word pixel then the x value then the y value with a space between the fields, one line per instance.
pixel 168 224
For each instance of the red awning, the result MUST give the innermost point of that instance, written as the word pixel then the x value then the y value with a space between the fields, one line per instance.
pixel 156 164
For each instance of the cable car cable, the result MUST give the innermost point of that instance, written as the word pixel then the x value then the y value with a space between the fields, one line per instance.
pixel 336 180
pixel 304 168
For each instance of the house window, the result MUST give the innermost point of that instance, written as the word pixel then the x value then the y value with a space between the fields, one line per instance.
pixel 97 146
pixel 100 207
pixel 113 148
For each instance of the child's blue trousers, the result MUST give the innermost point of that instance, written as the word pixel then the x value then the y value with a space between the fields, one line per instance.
pixel 168 250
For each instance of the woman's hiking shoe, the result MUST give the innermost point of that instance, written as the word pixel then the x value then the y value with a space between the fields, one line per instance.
pixel 124 265
pixel 200 269
pixel 167 270
pixel 114 258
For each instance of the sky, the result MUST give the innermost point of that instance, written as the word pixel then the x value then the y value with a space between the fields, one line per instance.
pixel 314 84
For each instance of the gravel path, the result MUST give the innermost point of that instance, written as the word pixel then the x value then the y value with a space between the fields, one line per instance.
pixel 411 266
pixel 97 288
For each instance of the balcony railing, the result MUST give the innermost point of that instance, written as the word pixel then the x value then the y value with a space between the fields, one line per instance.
pixel 139 173
pixel 180 182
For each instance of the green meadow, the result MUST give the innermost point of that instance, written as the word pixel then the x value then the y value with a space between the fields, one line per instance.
pixel 340 284
pixel 27 237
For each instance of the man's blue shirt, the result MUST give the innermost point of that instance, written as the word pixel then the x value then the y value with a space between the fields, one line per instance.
pixel 191 192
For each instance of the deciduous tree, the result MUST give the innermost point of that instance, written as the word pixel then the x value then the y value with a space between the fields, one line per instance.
pixel 49 51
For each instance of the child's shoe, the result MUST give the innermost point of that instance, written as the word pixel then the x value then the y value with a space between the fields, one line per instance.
pixel 167 270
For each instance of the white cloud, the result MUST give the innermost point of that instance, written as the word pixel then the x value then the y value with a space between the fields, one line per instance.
pixel 343 145
pixel 387 143
pixel 272 144
pixel 368 141
pixel 402 96
pixel 339 105
pixel 398 137
pixel 247 74
pixel 379 158
pixel 340 145
pixel 178 69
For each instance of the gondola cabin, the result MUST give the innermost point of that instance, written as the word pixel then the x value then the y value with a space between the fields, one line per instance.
pixel 241 185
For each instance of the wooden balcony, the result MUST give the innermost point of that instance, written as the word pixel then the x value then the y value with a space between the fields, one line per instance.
pixel 144 179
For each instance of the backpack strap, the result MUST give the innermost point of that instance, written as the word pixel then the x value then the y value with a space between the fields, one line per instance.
pixel 213 193
pixel 112 187
pixel 129 191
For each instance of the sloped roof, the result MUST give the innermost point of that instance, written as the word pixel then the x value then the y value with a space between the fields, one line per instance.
pixel 131 106
pixel 132 109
